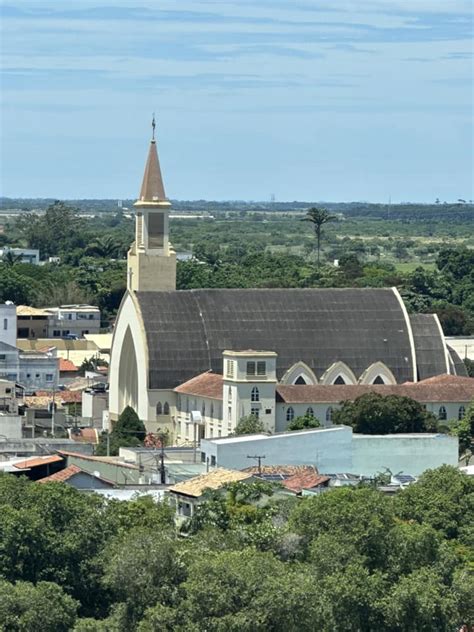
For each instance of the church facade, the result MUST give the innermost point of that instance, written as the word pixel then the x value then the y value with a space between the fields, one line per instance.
pixel 165 338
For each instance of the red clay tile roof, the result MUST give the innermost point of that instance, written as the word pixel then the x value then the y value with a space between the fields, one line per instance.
pixel 205 385
pixel 66 397
pixel 442 388
pixel 283 470
pixel 63 475
pixel 38 461
pixel 67 365
pixel 306 480
pixel 69 472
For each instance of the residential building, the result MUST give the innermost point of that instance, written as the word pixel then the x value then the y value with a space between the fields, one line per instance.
pixel 187 495
pixel 26 255
pixel 33 369
pixel 73 320
pixel 32 322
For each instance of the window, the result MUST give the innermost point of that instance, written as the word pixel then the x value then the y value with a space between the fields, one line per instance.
pixel 211 414
pixel 166 409
pixel 461 412
pixel 300 380
pixel 56 333
pixel 255 395
pixel 378 380
pixel 49 377
pixel 178 402
pixel 213 458
pixel 290 414
pixel 255 411
pixel 250 368
pixel 229 394
pixel 442 413
pixel 329 415
pixel 3 356
pixel 159 409
pixel 230 368
pixel 261 368
pixel 268 411
pixel 5 323
pixel 310 412
pixel 229 413
pixel 339 380
pixel 8 390
pixel 187 404
pixel 84 332
pixel 203 409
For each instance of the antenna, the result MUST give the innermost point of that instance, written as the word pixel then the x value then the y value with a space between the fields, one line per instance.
pixel 259 459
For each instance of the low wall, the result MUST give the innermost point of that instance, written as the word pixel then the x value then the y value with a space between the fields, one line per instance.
pixel 410 454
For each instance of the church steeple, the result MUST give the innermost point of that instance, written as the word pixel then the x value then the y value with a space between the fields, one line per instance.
pixel 151 259
pixel 152 190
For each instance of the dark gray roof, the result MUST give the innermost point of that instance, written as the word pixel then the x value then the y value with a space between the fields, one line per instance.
pixel 429 345
pixel 457 363
pixel 188 330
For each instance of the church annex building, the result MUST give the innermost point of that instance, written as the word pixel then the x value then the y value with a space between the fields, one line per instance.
pixel 193 362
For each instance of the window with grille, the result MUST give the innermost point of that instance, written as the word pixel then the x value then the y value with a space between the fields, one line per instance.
pixel 290 414
pixel 255 395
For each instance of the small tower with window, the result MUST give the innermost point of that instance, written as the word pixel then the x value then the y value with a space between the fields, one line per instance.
pixel 249 387
pixel 151 260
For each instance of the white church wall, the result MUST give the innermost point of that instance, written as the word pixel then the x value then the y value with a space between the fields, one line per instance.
pixel 320 411
pixel 128 320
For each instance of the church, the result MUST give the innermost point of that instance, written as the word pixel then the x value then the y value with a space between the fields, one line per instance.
pixel 193 362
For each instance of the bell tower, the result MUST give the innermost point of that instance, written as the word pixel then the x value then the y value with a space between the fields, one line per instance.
pixel 151 261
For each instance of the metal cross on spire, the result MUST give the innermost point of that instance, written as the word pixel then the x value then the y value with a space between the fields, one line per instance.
pixel 153 125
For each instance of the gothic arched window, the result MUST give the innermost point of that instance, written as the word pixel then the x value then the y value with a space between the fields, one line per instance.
pixel 339 380
pixel 212 410
pixel 300 380
pixel 378 380
pixel 203 409
pixel 461 412
pixel 290 414
pixel 159 409
pixel 255 395
pixel 329 415
pixel 166 409
pixel 310 412
pixel 442 413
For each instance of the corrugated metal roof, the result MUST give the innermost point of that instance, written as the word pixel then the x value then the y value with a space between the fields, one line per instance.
pixel 187 331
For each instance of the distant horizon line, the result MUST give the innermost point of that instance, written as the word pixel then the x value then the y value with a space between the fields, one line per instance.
pixel 460 201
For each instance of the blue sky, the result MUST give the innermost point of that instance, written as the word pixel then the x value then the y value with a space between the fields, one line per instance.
pixel 329 100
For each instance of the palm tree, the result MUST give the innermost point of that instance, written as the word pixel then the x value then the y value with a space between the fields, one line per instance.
pixel 10 258
pixel 318 217
pixel 105 247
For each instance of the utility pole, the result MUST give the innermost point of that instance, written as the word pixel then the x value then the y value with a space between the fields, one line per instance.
pixel 259 458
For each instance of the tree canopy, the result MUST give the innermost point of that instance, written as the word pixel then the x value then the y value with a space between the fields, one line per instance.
pixel 251 559
pixel 384 414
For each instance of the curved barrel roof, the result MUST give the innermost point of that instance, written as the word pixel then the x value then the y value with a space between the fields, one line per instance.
pixel 188 330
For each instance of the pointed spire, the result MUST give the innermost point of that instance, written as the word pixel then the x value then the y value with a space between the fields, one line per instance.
pixel 152 190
